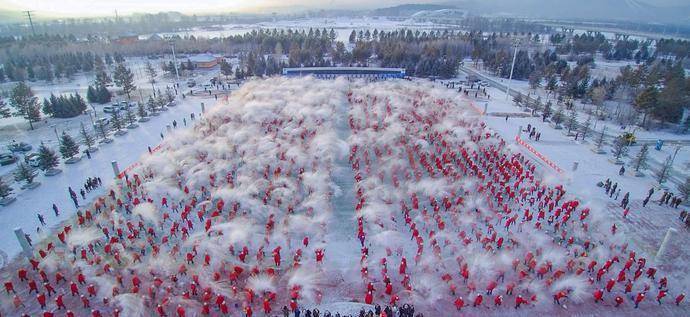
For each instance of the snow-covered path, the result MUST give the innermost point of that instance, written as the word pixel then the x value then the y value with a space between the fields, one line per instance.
pixel 342 245
pixel 125 150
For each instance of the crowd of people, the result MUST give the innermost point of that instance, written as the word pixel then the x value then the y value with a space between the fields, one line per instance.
pixel 232 217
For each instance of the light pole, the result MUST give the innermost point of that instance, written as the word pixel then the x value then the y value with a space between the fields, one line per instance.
pixel 675 153
pixel 516 44
pixel 172 47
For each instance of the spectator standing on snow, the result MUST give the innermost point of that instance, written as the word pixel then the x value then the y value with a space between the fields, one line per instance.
pixel 56 210
pixel 621 171
pixel 40 219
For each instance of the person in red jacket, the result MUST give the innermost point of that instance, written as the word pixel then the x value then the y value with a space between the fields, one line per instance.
pixel 662 294
pixel 267 306
pixel 41 298
pixel 598 295
pixel 160 311
pixel 619 300
pixel 180 311
pixel 498 300
pixel 459 303
pixel 60 302
pixel 9 287
pixel 73 288
pixel 679 299
pixel 638 299
pixel 368 298
pixel 519 301
pixel 558 296
pixel 478 300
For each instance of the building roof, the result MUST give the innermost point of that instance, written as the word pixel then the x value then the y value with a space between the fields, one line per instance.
pixel 202 58
pixel 356 69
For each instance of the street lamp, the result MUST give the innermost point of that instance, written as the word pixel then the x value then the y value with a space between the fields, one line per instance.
pixel 516 44
pixel 172 47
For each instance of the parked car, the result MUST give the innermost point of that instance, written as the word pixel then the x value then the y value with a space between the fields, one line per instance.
pixel 7 158
pixel 32 159
pixel 191 83
pixel 20 147
pixel 111 109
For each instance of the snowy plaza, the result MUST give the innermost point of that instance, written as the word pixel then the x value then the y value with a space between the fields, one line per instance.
pixel 296 193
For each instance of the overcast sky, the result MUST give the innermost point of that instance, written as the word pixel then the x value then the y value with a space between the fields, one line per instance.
pixel 108 7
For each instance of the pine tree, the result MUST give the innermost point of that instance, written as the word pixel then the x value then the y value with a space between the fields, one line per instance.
pixel 116 120
pixel 599 143
pixel 170 95
pixel 684 189
pixel 4 110
pixel 47 159
pixel 664 170
pixel 101 129
pixel 102 78
pixel 24 101
pixel 124 78
pixel 86 137
pixel 151 104
pixel 584 128
pixel 558 116
pixel 226 68
pixel 547 110
pixel 104 95
pixel 91 95
pixel 151 72
pixel 130 116
pixel 68 148
pixel 141 111
pixel 24 173
pixel 641 158
pixel 620 147
pixel 646 101
pixel 572 120
pixel 161 101
pixel 517 99
pixel 5 190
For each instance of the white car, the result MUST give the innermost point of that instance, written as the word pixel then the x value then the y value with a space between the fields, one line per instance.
pixel 111 109
pixel 32 159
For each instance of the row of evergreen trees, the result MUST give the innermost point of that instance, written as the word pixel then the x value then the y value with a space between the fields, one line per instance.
pixel 98 94
pixel 64 106
pixel 49 66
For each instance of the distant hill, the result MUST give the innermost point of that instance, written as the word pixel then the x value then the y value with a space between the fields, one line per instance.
pixel 7 17
pixel 405 10
pixel 612 10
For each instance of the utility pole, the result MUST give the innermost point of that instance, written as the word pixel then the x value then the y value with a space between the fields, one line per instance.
pixel 172 47
pixel 516 43
pixel 31 22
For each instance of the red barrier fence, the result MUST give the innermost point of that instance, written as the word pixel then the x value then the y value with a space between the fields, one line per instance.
pixel 538 154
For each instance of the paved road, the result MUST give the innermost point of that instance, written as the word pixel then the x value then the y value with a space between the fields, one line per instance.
pixel 503 87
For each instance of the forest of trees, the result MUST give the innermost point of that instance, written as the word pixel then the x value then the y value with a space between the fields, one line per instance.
pixel 64 106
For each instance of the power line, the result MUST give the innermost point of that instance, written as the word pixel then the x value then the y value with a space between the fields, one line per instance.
pixel 28 14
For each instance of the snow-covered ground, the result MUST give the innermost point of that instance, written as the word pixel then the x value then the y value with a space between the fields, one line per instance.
pixel 680 164
pixel 408 194
pixel 125 150
pixel 644 226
